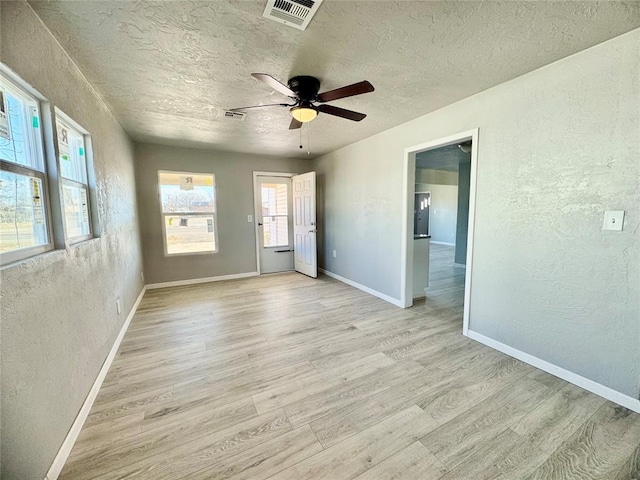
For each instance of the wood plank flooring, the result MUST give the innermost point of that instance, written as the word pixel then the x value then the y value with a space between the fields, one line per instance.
pixel 287 377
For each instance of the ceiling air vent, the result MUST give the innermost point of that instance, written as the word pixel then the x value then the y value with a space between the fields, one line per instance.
pixel 295 13
pixel 238 116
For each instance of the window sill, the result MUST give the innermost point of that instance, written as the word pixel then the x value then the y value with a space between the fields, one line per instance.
pixel 187 254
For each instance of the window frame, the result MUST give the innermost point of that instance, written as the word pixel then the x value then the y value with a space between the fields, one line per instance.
pixel 35 146
pixel 164 214
pixel 88 173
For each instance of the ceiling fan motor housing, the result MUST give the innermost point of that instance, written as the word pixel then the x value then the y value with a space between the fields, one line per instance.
pixel 305 87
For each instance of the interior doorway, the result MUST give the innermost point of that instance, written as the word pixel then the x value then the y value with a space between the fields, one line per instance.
pixel 429 269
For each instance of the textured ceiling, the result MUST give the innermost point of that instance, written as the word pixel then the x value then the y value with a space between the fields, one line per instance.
pixel 443 158
pixel 167 68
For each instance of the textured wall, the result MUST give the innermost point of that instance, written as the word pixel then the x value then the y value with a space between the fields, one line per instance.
pixel 557 147
pixel 234 197
pixel 462 222
pixel 58 310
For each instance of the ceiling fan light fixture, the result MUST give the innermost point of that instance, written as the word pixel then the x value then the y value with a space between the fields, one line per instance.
pixel 304 114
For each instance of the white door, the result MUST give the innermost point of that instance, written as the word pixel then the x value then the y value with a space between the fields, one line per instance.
pixel 274 223
pixel 304 223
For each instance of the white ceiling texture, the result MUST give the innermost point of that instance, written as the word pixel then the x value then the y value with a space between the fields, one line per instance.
pixel 167 69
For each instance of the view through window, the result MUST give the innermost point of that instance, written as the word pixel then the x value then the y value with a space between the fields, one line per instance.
pixel 74 182
pixel 188 207
pixel 23 220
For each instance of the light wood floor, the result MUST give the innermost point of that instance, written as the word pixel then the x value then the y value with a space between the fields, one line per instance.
pixel 446 282
pixel 286 377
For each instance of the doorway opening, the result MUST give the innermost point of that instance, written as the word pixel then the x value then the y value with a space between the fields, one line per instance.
pixel 438 227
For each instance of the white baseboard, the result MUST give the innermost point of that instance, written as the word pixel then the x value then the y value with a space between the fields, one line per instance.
pixel 193 281
pixel 370 291
pixel 443 243
pixel 72 436
pixel 582 382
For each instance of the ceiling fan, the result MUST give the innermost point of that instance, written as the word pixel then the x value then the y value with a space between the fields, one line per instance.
pixel 303 91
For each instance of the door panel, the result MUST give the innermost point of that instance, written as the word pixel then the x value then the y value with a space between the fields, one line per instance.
pixel 305 228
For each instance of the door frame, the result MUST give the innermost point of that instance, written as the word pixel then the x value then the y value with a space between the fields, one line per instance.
pixel 406 276
pixel 256 230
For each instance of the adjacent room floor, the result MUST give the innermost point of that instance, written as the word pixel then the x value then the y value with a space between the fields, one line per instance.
pixel 286 377
pixel 446 281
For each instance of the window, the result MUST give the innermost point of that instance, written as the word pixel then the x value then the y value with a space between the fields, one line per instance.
pixel 24 224
pixel 74 182
pixel 275 214
pixel 188 206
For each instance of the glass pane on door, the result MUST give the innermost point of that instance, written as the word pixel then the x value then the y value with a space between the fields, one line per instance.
pixel 276 231
pixel 275 214
pixel 274 199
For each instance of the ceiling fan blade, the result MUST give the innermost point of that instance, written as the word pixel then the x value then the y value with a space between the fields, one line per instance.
pixel 348 91
pixel 275 84
pixel 295 124
pixel 341 112
pixel 260 106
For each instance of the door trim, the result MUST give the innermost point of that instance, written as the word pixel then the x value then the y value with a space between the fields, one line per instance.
pixel 256 232
pixel 409 177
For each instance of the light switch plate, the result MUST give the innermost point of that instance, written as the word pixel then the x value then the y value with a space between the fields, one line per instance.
pixel 613 220
pixel 250 218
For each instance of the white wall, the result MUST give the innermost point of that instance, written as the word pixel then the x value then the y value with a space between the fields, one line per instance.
pixel 557 147
pixel 443 212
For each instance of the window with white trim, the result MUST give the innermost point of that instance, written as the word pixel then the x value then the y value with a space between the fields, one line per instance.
pixel 74 179
pixel 188 207
pixel 24 211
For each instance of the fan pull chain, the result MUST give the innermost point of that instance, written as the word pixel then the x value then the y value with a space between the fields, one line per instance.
pixel 306 127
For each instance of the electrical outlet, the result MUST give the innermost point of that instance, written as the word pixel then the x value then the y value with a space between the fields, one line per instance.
pixel 118 306
pixel 142 276
pixel 334 254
